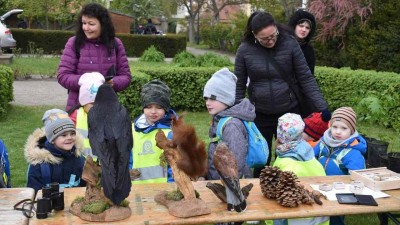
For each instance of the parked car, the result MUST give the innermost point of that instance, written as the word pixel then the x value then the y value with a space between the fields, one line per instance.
pixel 7 42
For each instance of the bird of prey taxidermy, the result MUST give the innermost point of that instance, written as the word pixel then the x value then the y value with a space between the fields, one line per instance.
pixel 110 136
pixel 226 165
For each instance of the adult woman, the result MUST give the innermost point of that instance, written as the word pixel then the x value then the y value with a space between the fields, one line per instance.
pixel 267 56
pixel 94 48
pixel 303 25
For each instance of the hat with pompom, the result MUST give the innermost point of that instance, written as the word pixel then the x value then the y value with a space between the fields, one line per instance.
pixel 317 123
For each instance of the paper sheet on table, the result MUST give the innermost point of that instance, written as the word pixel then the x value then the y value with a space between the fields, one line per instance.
pixel 331 195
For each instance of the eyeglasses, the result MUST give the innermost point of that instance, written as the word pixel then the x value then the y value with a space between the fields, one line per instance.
pixel 268 38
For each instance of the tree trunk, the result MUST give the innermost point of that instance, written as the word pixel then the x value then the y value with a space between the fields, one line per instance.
pixel 172 154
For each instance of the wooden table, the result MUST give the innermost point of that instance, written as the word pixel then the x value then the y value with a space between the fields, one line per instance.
pixel 8 198
pixel 146 211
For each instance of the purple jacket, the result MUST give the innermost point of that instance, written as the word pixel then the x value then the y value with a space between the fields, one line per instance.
pixel 93 58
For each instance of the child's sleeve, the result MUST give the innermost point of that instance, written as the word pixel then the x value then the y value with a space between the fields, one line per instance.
pixel 35 180
pixel 354 160
pixel 6 162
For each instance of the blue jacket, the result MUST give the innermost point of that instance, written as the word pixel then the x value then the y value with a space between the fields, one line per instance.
pixel 339 160
pixel 163 123
pixel 5 163
pixel 39 151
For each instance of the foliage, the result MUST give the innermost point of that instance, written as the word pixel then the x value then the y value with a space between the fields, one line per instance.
pixel 124 203
pixel 186 59
pixel 53 42
pixel 6 88
pixel 193 8
pixel 78 200
pixel 25 67
pixel 336 15
pixel 96 207
pixel 152 55
pixel 217 6
pixel 280 9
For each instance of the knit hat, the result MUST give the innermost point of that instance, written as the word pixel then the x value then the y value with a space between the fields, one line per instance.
pixel 347 116
pixel 221 86
pixel 90 83
pixel 56 122
pixel 156 92
pixel 317 123
pixel 301 16
pixel 290 128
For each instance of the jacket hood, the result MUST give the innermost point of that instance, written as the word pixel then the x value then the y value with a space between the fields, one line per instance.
pixel 35 153
pixel 243 110
pixel 302 14
pixel 355 141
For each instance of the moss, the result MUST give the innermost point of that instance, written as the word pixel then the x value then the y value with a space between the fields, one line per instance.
pixel 177 195
pixel 78 200
pixel 96 207
pixel 124 203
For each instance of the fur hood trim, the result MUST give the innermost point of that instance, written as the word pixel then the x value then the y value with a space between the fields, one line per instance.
pixel 36 155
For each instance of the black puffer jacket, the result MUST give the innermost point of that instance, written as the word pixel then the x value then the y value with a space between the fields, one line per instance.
pixel 267 89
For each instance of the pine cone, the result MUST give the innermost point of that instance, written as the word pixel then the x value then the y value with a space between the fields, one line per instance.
pixel 269 178
pixel 289 193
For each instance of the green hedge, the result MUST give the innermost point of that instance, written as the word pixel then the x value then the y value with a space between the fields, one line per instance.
pixel 340 87
pixel 186 86
pixel 6 87
pixel 346 87
pixel 53 41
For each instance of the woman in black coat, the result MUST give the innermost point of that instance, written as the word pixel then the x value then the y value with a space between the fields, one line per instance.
pixel 303 25
pixel 267 57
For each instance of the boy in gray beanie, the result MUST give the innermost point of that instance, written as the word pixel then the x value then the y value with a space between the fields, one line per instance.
pixel 219 96
pixel 54 153
pixel 145 156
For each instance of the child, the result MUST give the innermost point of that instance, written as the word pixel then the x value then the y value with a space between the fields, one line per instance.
pixel 341 148
pixel 296 155
pixel 89 85
pixel 315 126
pixel 54 153
pixel 219 94
pixel 5 173
pixel 157 113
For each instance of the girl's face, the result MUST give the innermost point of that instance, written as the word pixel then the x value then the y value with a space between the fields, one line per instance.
pixel 65 141
pixel 267 37
pixel 153 113
pixel 302 30
pixel 214 106
pixel 340 130
pixel 91 27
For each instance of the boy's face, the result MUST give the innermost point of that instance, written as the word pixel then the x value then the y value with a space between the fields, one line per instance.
pixel 65 141
pixel 153 113
pixel 214 106
pixel 340 130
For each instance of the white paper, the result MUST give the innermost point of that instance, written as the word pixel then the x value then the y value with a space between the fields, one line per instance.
pixel 331 195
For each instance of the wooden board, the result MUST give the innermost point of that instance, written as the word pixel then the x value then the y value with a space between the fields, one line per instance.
pixel 146 211
pixel 8 198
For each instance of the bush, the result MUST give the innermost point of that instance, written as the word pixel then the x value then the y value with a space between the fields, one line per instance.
pixel 6 88
pixel 152 55
pixel 53 42
pixel 186 59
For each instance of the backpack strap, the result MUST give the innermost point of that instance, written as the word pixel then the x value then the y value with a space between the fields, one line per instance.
pixel 220 126
pixel 46 173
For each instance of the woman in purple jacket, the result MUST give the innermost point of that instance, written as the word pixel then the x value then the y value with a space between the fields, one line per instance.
pixel 94 48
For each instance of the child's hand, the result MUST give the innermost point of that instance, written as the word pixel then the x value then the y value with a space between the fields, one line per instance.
pixel 110 82
pixel 134 174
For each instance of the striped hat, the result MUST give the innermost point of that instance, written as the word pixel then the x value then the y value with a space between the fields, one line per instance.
pixel 345 115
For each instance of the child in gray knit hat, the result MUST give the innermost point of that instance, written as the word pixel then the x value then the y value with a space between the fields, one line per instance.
pixel 157 113
pixel 219 96
pixel 54 153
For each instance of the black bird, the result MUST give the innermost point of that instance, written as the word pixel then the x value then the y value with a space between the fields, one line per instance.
pixel 110 137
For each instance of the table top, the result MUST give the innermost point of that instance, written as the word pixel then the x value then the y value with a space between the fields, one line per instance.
pixel 8 198
pixel 146 211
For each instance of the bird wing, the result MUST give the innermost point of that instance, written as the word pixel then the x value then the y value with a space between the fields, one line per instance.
pixel 110 137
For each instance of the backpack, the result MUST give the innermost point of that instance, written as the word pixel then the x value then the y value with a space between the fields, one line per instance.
pixel 257 150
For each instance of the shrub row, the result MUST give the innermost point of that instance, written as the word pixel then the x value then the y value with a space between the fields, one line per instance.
pixel 6 87
pixel 340 87
pixel 53 41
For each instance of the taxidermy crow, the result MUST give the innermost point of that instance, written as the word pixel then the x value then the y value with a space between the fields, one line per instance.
pixel 110 136
pixel 226 165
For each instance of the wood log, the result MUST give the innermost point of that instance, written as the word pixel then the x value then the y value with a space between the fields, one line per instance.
pixel 172 155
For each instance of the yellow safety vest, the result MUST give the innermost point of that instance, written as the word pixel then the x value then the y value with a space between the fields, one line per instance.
pixel 82 127
pixel 146 157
